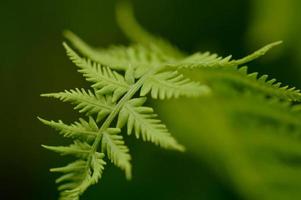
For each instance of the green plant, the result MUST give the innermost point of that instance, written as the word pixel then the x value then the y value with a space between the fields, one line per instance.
pixel 121 78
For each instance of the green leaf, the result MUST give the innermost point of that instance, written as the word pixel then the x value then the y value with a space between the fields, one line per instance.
pixel 270 87
pixel 118 153
pixel 78 176
pixel 170 84
pixel 86 102
pixel 78 149
pixel 241 80
pixel 82 129
pixel 106 81
pixel 201 60
pixel 143 122
pixel 120 57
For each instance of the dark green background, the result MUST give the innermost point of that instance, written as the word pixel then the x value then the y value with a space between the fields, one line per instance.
pixel 33 62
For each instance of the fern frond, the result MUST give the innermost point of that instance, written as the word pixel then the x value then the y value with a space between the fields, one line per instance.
pixel 169 84
pixel 85 49
pixel 81 129
pixel 241 80
pixel 200 60
pixel 120 57
pixel 143 122
pixel 120 76
pixel 270 87
pixel 77 177
pixel 118 153
pixel 80 174
pixel 105 80
pixel 86 102
pixel 78 149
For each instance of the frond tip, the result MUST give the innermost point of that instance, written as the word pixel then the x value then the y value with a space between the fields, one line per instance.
pixel 86 102
pixel 80 174
pixel 78 130
pixel 202 60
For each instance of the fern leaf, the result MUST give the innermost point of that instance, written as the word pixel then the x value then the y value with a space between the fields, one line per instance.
pixel 78 149
pixel 119 57
pixel 200 60
pixel 118 74
pixel 82 129
pixel 117 152
pixel 78 175
pixel 85 49
pixel 268 87
pixel 241 80
pixel 271 87
pixel 142 121
pixel 105 80
pixel 86 102
pixel 172 84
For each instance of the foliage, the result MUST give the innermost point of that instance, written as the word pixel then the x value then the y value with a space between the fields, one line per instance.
pixel 122 77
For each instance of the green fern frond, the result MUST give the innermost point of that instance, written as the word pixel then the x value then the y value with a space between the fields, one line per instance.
pixel 78 149
pixel 86 102
pixel 142 121
pixel 105 80
pixel 80 174
pixel 120 57
pixel 118 153
pixel 171 84
pixel 271 87
pixel 120 76
pixel 200 60
pixel 81 129
pixel 239 78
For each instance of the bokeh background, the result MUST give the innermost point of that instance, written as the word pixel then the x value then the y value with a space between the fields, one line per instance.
pixel 33 62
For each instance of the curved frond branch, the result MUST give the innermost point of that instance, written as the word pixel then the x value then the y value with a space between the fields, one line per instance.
pixel 85 49
pixel 259 53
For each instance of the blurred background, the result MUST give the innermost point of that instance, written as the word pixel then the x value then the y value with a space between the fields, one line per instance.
pixel 34 62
